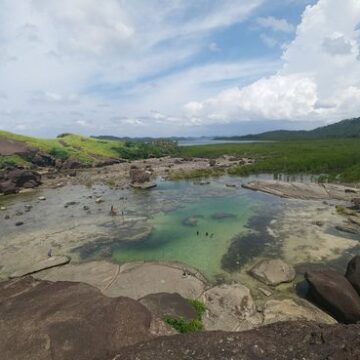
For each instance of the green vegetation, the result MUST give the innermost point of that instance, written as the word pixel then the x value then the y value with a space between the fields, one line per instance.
pixel 341 130
pixel 335 159
pixel 185 326
pixel 87 150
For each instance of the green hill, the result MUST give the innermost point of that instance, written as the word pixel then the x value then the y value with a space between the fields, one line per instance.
pixel 83 149
pixel 341 130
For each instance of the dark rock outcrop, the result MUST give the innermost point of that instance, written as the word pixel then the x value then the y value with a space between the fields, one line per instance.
pixel 353 273
pixel 43 160
pixel 169 305
pixel 12 180
pixel 334 293
pixel 280 341
pixel 65 320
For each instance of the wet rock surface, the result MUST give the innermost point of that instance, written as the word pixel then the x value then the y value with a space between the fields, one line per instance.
pixel 43 320
pixel 334 293
pixel 273 272
pixel 288 340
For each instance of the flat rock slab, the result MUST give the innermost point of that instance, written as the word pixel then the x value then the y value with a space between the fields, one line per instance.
pixel 48 263
pixel 285 340
pixel 304 191
pixel 137 280
pixel 134 280
pixel 273 272
pixel 95 273
pixel 41 320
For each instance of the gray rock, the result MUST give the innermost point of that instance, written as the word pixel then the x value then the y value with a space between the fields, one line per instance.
pixel 289 310
pixel 273 272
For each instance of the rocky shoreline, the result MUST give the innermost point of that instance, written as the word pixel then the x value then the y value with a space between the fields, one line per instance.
pixel 137 296
pixel 131 324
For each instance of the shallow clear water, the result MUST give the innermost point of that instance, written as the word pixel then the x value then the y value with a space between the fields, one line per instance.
pixel 218 228
pixel 200 231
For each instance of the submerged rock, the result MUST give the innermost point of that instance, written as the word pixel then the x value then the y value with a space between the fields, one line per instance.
pixel 229 308
pixel 334 293
pixel 43 320
pixel 191 221
pixel 273 272
pixel 290 340
pixel 223 215
pixel 353 273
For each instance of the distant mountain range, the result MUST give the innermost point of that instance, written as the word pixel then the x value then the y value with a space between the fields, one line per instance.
pixel 344 129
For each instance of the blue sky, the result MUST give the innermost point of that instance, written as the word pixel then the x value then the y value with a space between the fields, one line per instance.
pixel 177 67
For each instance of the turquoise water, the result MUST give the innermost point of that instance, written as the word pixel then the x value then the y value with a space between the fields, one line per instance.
pixel 201 244
pixel 200 231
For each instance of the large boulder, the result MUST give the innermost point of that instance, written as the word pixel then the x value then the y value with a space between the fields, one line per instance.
pixel 273 272
pixel 229 308
pixel 353 273
pixel 12 180
pixel 41 320
pixel 163 305
pixel 334 293
pixel 280 341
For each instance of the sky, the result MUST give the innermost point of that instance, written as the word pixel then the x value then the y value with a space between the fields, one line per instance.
pixel 177 67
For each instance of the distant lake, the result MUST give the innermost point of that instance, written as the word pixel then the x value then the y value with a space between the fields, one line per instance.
pixel 210 141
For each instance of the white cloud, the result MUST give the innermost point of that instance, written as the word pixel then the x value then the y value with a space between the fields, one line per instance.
pixel 58 55
pixel 320 78
pixel 275 24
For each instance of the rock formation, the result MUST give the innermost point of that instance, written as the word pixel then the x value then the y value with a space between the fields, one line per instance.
pixel 334 293
pixel 273 272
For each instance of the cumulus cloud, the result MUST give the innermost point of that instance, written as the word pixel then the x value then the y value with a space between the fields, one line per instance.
pixel 320 77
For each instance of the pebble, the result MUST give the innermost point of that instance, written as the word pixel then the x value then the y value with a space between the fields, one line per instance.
pixel 99 200
pixel 41 198
pixel 265 292
pixel 3 208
